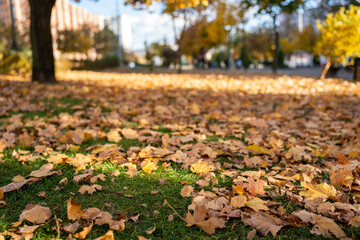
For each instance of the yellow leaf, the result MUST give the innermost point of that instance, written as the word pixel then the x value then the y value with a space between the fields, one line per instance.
pixel 238 189
pixel 74 210
pixel 256 149
pixel 196 108
pixel 201 167
pixel 149 167
pixel 84 232
pixel 323 191
pixel 18 179
pixel 113 136
pixel 108 236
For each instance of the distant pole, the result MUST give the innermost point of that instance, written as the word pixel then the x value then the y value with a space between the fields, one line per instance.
pixel 119 39
pixel 13 29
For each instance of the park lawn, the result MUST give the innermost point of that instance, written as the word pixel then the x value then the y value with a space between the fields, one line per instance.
pixel 235 126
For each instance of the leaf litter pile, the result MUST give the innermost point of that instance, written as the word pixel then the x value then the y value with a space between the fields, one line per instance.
pixel 265 155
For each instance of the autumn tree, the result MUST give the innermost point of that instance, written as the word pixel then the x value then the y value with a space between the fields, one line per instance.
pixel 339 37
pixel 274 8
pixel 43 69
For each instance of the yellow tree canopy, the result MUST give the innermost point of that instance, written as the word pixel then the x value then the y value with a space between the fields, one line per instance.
pixel 174 4
pixel 340 34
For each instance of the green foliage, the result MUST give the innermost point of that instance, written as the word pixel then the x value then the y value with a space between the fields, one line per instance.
pixel 340 34
pixel 108 61
pixel 105 42
pixel 72 41
pixel 12 62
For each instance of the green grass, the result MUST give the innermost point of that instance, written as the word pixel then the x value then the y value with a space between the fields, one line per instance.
pixel 112 199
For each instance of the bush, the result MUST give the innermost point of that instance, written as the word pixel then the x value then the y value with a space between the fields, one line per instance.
pixel 109 61
pixel 12 62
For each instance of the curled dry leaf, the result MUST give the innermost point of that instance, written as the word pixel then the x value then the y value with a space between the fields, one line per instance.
pixel 2 204
pixel 186 191
pixel 151 230
pixel 86 230
pixel 108 236
pixel 97 177
pixel 43 171
pixel 36 214
pixel 74 211
pixel 72 227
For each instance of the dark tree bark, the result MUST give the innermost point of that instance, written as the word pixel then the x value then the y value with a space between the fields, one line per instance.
pixel 276 50
pixel 43 69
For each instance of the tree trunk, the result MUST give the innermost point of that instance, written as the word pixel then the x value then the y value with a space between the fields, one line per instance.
pixel 276 50
pixel 43 69
pixel 325 69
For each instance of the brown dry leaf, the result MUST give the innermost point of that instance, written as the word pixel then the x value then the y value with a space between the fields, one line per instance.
pixel 151 230
pixel 201 167
pixel 326 226
pixel 263 223
pixel 142 238
pixel 42 194
pixel 199 215
pixel 37 214
pixel 238 201
pixel 186 191
pixel 103 218
pixel 323 191
pixel 129 133
pixel 342 158
pixel 355 221
pixel 90 189
pixel 108 236
pixel 341 177
pixel 82 177
pixel 63 181
pixel 97 177
pixel 113 136
pixel 28 230
pixel 117 225
pixel 211 224
pixel 2 204
pixel 91 213
pixel 1 193
pixel 18 179
pixel 72 227
pixel 251 235
pixel 257 204
pixel 297 154
pixel 74 210
pixel 135 218
pixel 86 230
pixel 43 171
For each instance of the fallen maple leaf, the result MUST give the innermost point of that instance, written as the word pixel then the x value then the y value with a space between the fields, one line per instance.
pixel 201 167
pixel 74 210
pixel 186 191
pixel 323 191
pixel 341 177
pixel 129 133
pixel 90 189
pixel 37 214
pixel 82 177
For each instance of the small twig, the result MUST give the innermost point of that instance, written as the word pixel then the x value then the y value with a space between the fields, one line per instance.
pixel 166 202
pixel 57 227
